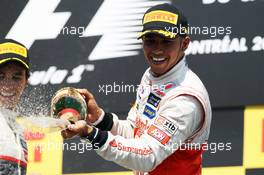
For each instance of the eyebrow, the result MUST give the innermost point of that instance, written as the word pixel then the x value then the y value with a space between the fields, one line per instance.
pixel 162 38
pixel 19 73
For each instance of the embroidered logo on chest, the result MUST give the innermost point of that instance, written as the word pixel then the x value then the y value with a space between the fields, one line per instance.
pixel 149 112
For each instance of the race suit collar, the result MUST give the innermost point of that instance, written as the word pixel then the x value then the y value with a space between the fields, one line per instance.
pixel 176 72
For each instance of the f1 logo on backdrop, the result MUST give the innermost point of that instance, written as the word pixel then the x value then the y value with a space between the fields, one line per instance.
pixel 117 23
pixel 38 22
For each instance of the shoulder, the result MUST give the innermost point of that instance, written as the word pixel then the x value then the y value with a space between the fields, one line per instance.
pixel 182 105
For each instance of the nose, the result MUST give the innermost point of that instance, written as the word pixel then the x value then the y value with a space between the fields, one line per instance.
pixel 158 48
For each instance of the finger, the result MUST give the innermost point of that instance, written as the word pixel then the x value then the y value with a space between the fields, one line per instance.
pixel 89 116
pixel 66 134
pixel 77 126
pixel 90 119
pixel 86 93
pixel 62 127
pixel 74 128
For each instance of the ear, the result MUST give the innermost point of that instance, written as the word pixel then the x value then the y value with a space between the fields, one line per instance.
pixel 185 43
pixel 26 84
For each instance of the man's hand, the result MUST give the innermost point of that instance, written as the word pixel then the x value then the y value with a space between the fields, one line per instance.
pixel 79 128
pixel 94 111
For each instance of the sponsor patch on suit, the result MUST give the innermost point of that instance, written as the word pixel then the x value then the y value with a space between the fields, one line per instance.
pixel 158 134
pixel 149 112
pixel 166 124
pixel 153 100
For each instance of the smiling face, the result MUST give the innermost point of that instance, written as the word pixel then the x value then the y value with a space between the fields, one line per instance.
pixel 163 53
pixel 13 81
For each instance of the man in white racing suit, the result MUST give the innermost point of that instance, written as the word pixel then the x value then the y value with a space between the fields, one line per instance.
pixel 13 147
pixel 14 73
pixel 167 127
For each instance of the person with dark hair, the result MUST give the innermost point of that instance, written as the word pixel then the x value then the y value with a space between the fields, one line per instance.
pixel 14 74
pixel 167 127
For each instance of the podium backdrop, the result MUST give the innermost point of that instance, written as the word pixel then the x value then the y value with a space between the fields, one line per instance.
pixel 92 44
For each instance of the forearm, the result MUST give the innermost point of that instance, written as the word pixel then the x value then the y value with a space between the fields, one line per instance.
pixel 135 154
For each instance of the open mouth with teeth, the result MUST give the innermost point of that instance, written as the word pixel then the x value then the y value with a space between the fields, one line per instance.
pixel 158 60
pixel 8 99
pixel 7 94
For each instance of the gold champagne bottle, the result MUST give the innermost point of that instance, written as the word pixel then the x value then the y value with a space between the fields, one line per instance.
pixel 69 104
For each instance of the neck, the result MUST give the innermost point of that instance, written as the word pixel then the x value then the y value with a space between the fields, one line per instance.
pixel 158 75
